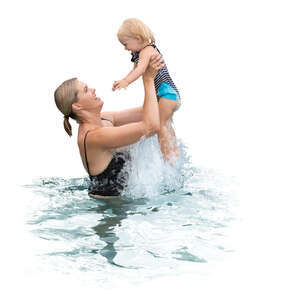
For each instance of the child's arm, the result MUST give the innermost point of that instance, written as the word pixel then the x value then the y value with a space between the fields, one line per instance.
pixel 119 84
pixel 137 71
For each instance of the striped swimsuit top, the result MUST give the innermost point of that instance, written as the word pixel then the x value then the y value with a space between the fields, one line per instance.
pixel 161 76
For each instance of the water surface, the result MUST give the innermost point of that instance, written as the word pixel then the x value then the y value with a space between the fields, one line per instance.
pixel 174 222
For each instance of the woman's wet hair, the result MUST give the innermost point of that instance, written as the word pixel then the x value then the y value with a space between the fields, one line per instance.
pixel 65 95
pixel 136 28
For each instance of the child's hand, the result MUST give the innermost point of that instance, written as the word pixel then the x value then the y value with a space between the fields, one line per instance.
pixel 120 84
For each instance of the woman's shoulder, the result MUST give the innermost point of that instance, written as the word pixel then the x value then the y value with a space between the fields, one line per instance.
pixel 94 141
pixel 88 136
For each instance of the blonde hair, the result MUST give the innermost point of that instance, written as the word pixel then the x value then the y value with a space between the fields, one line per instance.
pixel 65 95
pixel 136 28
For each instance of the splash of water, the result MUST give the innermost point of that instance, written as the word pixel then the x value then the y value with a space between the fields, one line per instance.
pixel 149 175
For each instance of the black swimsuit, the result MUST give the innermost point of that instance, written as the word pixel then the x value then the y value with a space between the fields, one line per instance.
pixel 112 180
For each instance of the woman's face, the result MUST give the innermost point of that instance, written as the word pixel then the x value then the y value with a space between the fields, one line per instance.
pixel 87 96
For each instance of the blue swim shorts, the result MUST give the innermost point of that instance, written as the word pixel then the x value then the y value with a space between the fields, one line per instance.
pixel 166 91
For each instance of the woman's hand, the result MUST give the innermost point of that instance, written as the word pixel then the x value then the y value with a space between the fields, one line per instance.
pixel 155 64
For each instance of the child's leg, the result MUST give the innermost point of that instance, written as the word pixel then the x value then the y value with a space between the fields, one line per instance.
pixel 166 134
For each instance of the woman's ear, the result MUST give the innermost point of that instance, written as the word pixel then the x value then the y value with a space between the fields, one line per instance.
pixel 76 107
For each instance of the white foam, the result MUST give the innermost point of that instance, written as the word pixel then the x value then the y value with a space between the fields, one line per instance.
pixel 149 175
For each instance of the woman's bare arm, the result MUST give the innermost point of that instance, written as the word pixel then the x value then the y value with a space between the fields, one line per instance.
pixel 114 137
pixel 125 116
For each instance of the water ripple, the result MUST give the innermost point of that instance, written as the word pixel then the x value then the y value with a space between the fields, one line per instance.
pixel 158 234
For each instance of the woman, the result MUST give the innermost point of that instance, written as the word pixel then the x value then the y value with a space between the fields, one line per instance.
pixel 100 134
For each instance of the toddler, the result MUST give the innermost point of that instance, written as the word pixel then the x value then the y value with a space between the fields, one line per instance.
pixel 138 38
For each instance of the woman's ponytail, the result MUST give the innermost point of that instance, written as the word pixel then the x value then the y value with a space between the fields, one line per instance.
pixel 67 126
pixel 65 95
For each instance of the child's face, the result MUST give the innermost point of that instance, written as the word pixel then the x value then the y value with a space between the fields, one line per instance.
pixel 132 44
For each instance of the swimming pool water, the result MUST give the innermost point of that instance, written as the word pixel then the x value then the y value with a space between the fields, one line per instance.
pixel 167 224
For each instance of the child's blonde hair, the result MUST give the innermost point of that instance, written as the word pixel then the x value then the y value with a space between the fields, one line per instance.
pixel 136 28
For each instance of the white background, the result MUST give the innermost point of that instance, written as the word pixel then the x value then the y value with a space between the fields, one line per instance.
pixel 237 66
